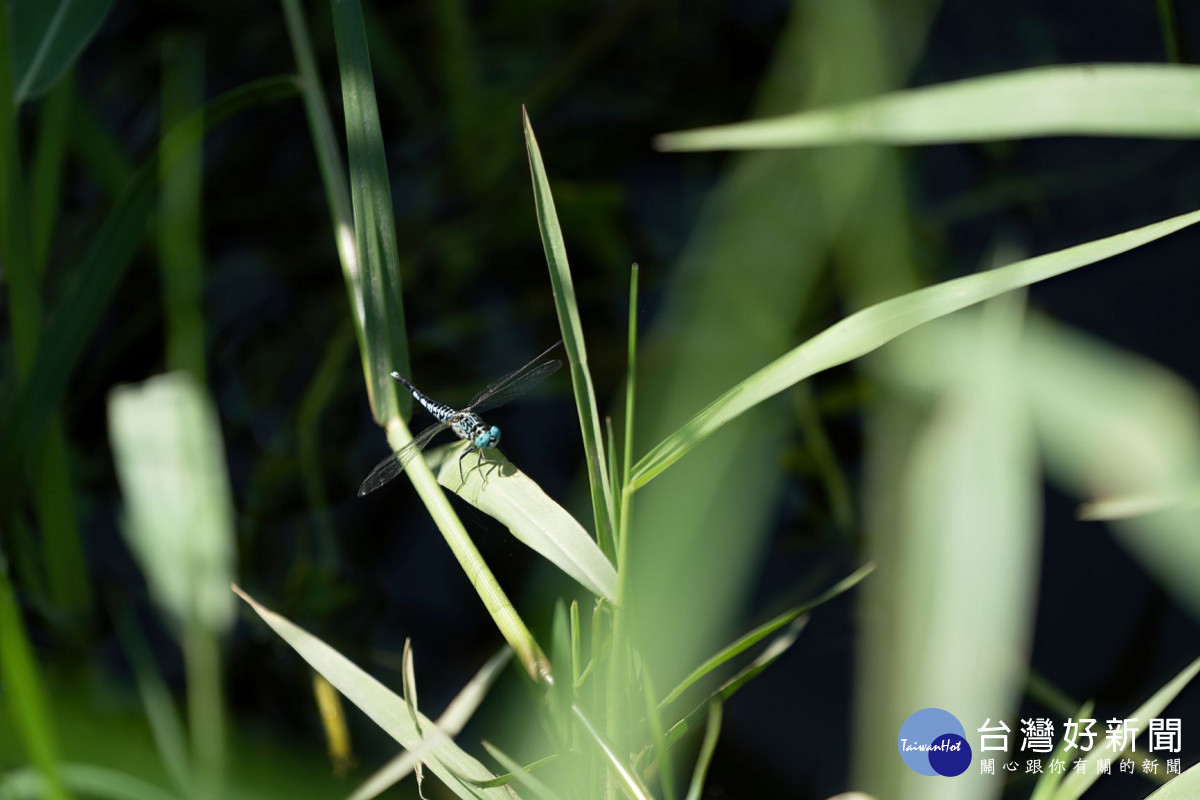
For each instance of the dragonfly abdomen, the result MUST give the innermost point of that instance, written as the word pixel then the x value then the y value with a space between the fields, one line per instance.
pixel 441 411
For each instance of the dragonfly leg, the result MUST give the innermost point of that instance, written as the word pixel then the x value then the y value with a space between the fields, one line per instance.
pixel 462 479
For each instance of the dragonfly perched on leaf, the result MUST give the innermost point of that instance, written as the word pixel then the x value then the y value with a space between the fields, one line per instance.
pixel 466 423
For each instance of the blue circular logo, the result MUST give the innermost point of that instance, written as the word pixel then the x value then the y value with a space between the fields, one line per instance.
pixel 933 742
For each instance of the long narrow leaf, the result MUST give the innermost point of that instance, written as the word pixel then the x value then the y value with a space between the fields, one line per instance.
pixel 384 707
pixel 1153 100
pixel 380 305
pixel 572 331
pixel 711 732
pixel 90 780
pixel 1079 782
pixel 451 722
pixel 766 629
pixel 777 647
pixel 28 707
pixel 626 779
pixel 868 329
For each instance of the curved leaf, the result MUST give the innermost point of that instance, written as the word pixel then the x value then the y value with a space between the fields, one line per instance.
pixel 1152 100
pixel 866 330
pixel 47 36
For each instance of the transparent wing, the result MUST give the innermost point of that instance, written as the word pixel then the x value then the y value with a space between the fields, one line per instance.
pixel 515 383
pixel 394 464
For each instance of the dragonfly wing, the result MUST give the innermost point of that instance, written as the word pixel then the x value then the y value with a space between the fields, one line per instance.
pixel 515 383
pixel 394 464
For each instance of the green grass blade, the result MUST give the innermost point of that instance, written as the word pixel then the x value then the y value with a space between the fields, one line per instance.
pixel 24 297
pixel 89 780
pixel 1049 782
pixel 1151 100
pixel 451 722
pixel 383 706
pixel 26 698
pixel 1079 782
pixel 100 154
pixel 333 172
pixel 98 275
pixel 54 500
pixel 572 330
pixel 520 774
pixel 48 160
pixel 506 494
pixel 666 774
pixel 711 732
pixel 47 36
pixel 777 647
pixel 630 377
pixel 866 330
pixel 380 302
pixel 626 779
pixel 180 243
pixel 755 636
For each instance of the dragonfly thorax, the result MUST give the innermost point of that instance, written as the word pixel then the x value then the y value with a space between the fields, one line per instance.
pixel 470 427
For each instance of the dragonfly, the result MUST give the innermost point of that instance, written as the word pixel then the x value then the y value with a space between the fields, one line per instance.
pixel 466 422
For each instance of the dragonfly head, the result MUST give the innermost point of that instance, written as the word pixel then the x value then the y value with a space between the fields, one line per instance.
pixel 488 438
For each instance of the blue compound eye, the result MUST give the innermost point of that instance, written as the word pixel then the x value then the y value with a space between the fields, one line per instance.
pixel 495 432
pixel 482 439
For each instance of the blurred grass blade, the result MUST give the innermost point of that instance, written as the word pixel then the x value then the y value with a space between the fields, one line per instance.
pixel 181 170
pixel 572 332
pixel 26 699
pixel 866 330
pixel 170 743
pixel 520 774
pixel 1150 100
pixel 1117 428
pixel 47 37
pixel 967 531
pixel 178 507
pixel 49 157
pixel 384 334
pixel 1079 782
pixel 626 779
pixel 97 276
pixel 90 780
pixel 1050 780
pixel 333 722
pixel 510 497
pixel 766 629
pixel 179 522
pixel 451 722
pixel 711 731
pixel 382 705
pixel 662 752
pixel 1183 787
pixel 509 777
